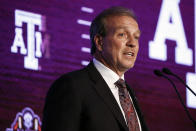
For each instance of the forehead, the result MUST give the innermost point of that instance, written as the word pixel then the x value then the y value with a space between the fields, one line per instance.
pixel 117 22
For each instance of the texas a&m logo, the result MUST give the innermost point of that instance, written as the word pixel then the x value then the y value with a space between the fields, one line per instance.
pixel 34 38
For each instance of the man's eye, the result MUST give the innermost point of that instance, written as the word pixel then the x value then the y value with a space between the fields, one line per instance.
pixel 137 37
pixel 121 34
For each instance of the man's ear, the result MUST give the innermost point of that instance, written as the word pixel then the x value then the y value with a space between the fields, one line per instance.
pixel 98 39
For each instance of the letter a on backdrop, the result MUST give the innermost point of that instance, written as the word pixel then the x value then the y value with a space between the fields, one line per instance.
pixel 170 27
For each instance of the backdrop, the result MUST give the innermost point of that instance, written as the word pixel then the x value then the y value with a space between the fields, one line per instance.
pixel 41 40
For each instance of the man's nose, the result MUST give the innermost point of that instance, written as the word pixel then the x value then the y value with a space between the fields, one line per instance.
pixel 131 42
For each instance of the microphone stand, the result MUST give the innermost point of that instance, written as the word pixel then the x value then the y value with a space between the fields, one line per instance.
pixel 160 74
pixel 167 71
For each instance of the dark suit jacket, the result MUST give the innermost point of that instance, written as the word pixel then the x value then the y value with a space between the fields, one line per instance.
pixel 82 101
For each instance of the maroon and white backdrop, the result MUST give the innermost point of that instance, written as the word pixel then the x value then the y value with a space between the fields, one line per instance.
pixel 41 40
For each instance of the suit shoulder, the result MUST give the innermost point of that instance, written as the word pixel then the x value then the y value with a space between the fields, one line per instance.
pixel 74 75
pixel 70 78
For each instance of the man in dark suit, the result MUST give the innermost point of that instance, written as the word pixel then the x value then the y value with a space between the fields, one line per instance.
pixel 96 98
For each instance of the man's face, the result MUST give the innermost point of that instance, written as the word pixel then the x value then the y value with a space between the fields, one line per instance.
pixel 120 45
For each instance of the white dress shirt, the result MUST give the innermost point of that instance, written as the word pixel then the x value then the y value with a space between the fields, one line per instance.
pixel 110 78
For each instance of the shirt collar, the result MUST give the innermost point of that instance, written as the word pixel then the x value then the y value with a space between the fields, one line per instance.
pixel 109 75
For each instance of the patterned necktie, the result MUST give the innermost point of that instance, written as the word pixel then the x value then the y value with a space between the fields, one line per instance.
pixel 127 106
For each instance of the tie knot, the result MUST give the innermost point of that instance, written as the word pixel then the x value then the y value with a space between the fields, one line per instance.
pixel 120 83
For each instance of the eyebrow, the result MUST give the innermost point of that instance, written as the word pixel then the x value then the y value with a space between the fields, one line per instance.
pixel 124 27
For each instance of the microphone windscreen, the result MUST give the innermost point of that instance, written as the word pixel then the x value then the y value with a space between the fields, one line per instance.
pixel 158 73
pixel 167 71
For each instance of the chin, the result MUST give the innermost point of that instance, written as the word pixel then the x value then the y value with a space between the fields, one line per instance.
pixel 128 63
pixel 127 67
pixel 131 66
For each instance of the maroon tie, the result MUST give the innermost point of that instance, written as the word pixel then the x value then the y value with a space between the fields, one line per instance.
pixel 127 106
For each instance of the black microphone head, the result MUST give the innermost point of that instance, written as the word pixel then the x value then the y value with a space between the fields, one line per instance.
pixel 167 71
pixel 158 73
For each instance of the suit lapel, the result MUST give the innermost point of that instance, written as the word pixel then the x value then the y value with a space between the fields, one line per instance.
pixel 105 93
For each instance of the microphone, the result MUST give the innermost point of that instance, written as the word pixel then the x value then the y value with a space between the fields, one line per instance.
pixel 160 74
pixel 168 71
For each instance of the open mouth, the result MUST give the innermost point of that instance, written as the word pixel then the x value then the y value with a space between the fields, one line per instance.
pixel 129 53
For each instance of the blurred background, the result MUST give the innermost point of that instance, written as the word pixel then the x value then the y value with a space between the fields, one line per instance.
pixel 41 40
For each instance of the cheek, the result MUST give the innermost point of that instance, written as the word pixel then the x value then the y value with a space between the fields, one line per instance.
pixel 107 50
pixel 137 49
pixel 113 47
pixel 117 48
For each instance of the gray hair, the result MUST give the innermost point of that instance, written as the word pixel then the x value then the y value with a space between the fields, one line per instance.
pixel 98 25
